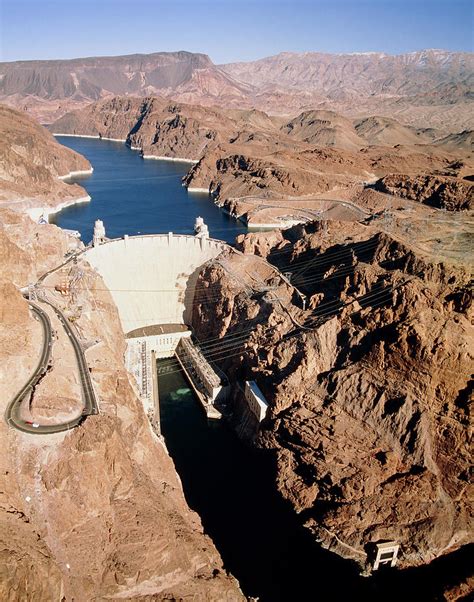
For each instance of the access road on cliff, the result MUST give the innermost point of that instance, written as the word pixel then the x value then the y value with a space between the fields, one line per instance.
pixel 13 411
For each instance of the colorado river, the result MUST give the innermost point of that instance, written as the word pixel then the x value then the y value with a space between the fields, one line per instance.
pixel 232 487
pixel 134 195
pixel 261 541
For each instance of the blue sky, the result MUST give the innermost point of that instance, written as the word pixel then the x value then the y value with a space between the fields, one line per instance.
pixel 230 30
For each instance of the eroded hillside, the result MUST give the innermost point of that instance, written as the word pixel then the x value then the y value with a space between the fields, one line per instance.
pixel 269 170
pixel 368 385
pixel 99 511
pixel 32 163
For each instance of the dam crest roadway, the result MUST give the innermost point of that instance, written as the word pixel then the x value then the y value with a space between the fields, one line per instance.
pixel 152 281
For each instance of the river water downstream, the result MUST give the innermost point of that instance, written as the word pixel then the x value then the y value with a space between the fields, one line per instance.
pixel 231 486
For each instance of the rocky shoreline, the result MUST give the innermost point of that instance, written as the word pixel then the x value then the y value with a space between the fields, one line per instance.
pixel 247 154
pixel 38 212
pixel 99 511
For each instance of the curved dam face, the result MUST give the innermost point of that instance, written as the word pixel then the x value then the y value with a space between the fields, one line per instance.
pixel 152 278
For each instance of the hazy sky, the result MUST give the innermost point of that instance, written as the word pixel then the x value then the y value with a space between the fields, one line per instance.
pixel 230 30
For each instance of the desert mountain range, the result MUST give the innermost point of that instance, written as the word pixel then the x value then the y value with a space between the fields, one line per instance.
pixel 413 86
pixel 282 162
pixel 369 402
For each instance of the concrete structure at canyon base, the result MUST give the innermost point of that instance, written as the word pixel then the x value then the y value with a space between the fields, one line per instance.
pixel 152 280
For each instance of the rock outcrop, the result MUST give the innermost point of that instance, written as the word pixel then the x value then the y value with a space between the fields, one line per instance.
pixel 368 386
pixel 452 194
pixel 31 162
pixel 324 128
pixel 155 126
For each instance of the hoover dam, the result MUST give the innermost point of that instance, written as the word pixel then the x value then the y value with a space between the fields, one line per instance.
pixel 152 278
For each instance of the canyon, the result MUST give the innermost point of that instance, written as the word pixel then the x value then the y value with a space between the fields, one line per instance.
pixel 97 512
pixel 353 314
pixel 426 87
pixel 271 170
pixel 370 435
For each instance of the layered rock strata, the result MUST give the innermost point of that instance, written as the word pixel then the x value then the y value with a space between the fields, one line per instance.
pixel 452 194
pixel 33 166
pixel 368 386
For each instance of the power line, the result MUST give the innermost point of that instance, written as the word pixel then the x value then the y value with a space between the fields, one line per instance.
pixel 210 353
pixel 225 353
pixel 315 261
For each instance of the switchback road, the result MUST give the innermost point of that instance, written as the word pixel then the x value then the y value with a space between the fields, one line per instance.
pixel 13 411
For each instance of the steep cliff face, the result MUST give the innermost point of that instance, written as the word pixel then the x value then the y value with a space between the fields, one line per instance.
pixel 368 417
pixel 31 161
pixel 452 194
pixel 111 118
pixel 157 127
pixel 97 512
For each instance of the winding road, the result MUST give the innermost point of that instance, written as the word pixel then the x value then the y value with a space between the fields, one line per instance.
pixel 309 214
pixel 13 411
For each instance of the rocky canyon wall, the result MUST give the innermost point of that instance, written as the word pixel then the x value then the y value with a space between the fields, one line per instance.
pixel 368 386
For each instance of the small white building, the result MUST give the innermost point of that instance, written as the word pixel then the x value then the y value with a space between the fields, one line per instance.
pixel 200 228
pixel 386 554
pixel 256 401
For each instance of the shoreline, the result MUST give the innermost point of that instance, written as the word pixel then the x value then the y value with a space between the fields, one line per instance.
pixel 270 226
pixel 90 136
pixel 197 189
pixel 135 148
pixel 79 172
pixel 178 159
pixel 35 213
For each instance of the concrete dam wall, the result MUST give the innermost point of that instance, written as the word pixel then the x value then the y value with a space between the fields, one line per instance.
pixel 152 278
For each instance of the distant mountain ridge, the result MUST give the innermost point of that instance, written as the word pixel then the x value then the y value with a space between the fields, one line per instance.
pixel 355 84
pixel 359 73
pixel 75 82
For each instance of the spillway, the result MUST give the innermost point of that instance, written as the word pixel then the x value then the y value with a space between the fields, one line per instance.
pixel 152 278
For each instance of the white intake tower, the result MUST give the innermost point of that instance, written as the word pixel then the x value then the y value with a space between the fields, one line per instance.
pixel 99 233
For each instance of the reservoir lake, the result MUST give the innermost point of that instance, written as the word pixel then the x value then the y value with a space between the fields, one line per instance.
pixel 230 485
pixel 132 195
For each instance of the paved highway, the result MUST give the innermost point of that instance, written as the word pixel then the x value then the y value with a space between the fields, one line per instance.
pixel 311 214
pixel 13 411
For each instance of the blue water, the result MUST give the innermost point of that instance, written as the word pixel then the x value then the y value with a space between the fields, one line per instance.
pixel 261 540
pixel 136 196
